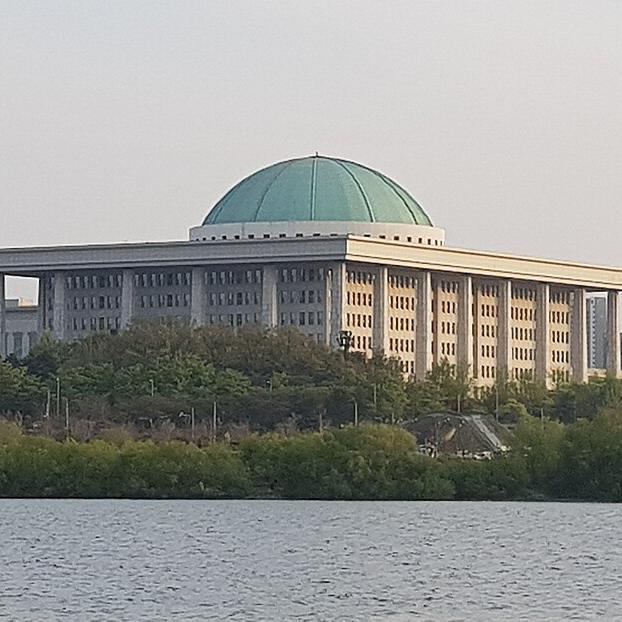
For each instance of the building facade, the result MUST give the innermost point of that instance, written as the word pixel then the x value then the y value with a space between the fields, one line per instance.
pixel 597 332
pixel 21 328
pixel 339 251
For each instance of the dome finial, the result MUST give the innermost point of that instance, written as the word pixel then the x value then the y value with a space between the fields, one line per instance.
pixel 317 155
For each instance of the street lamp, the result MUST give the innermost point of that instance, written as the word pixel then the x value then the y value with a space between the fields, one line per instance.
pixel 345 340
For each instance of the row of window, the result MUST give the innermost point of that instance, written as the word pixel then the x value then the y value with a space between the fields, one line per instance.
pixel 296 275
pixel 448 306
pixel 489 330
pixel 523 293
pixel 400 280
pixel 361 320
pixel 164 300
pixel 94 302
pixel 561 375
pixel 162 279
pixel 489 310
pixel 402 345
pixel 402 302
pixel 230 299
pixel 233 277
pixel 408 367
pixel 448 349
pixel 302 318
pixel 300 297
pixel 521 313
pixel 402 323
pixel 560 336
pixel 362 299
pixel 523 334
pixel 488 371
pixel 560 356
pixel 560 297
pixel 449 287
pixel 489 290
pixel 96 323
pixel 489 351
pixel 523 354
pixel 560 317
pixel 233 319
pixel 360 278
pixel 362 342
pixel 93 281
pixel 448 328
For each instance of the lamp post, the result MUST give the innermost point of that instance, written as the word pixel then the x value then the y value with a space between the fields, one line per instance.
pixel 214 421
pixel 345 340
pixel 57 397
pixel 356 412
pixel 66 418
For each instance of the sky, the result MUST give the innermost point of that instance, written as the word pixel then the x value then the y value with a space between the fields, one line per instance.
pixel 127 120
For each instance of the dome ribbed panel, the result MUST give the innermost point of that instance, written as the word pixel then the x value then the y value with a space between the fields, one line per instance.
pixel 317 189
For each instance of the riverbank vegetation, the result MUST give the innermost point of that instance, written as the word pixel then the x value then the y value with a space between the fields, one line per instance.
pixel 149 379
pixel 581 461
pixel 165 410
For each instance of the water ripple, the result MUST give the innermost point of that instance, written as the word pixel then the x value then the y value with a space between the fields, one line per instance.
pixel 239 560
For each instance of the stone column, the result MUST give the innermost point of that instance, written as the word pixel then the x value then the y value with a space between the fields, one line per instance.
pixel 337 303
pixel 504 332
pixel 578 337
pixel 198 297
pixel 381 311
pixel 41 310
pixel 3 334
pixel 58 326
pixel 269 303
pixel 543 337
pixel 127 299
pixel 613 334
pixel 423 337
pixel 327 305
pixel 465 324
pixel 436 293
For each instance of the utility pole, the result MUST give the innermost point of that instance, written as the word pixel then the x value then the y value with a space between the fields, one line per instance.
pixel 57 397
pixel 66 419
pixel 192 423
pixel 497 401
pixel 356 412
pixel 321 420
pixel 375 386
pixel 152 386
pixel 48 399
pixel 214 422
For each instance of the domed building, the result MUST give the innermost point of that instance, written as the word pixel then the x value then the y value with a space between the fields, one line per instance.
pixel 318 196
pixel 346 255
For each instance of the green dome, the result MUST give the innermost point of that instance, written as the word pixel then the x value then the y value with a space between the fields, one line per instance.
pixel 317 188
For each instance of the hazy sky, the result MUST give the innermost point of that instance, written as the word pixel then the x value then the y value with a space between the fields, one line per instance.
pixel 127 120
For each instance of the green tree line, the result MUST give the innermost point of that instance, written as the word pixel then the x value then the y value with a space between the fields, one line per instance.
pixel 261 379
pixel 549 461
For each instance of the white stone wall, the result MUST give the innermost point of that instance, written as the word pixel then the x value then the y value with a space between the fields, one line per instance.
pixel 411 234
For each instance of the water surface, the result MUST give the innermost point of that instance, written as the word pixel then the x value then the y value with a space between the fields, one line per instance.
pixel 279 560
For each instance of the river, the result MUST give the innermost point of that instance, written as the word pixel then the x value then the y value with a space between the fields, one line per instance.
pixel 280 560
